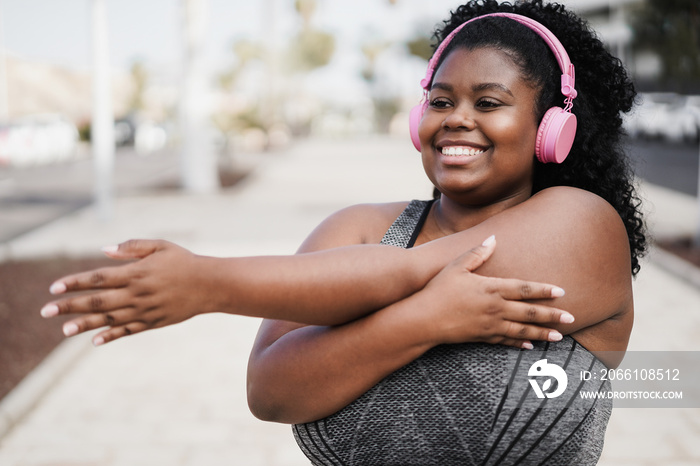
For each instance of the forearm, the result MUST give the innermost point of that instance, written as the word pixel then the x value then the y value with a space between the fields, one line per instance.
pixel 322 288
pixel 312 372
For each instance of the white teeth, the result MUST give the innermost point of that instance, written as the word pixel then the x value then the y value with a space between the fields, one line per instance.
pixel 458 150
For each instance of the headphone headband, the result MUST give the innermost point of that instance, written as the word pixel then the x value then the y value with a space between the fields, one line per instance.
pixel 567 68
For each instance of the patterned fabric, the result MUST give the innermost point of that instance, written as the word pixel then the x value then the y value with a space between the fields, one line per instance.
pixel 467 404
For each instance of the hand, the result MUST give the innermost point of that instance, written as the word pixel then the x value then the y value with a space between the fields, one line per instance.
pixel 466 307
pixel 156 290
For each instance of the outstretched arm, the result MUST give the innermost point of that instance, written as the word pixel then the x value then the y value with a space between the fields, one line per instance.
pixel 168 284
pixel 564 236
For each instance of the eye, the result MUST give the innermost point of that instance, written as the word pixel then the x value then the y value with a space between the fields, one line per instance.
pixel 487 103
pixel 440 102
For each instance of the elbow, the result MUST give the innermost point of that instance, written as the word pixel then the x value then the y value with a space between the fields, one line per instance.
pixel 269 404
pixel 262 404
pixel 277 407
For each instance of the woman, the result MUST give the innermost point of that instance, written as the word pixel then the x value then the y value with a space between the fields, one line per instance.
pixel 389 355
pixel 491 87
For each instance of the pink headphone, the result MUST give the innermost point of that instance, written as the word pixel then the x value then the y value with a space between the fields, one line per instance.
pixel 556 132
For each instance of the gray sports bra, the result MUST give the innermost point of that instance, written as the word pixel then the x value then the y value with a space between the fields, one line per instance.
pixel 467 404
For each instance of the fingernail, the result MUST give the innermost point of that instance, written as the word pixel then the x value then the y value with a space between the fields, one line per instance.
pixel 489 241
pixel 97 341
pixel 70 329
pixel 50 310
pixel 558 292
pixel 555 336
pixel 110 249
pixel 527 345
pixel 57 288
pixel 566 318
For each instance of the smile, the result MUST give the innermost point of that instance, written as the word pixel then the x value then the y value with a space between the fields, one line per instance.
pixel 461 150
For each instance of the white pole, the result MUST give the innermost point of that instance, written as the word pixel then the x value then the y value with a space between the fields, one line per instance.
pixel 198 160
pixel 696 239
pixel 102 129
pixel 4 103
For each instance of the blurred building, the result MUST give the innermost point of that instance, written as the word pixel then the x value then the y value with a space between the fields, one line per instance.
pixel 611 20
pixel 42 87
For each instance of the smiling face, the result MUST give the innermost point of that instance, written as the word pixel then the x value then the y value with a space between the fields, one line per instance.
pixel 479 129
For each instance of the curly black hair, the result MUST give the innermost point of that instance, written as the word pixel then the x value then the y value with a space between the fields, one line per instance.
pixel 597 161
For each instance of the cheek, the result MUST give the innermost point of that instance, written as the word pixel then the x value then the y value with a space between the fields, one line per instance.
pixel 427 128
pixel 517 130
pixel 428 161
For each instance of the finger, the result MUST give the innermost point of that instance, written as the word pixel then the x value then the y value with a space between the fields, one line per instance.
pixel 520 331
pixel 118 332
pixel 511 288
pixel 475 257
pixel 523 344
pixel 517 311
pixel 95 321
pixel 105 277
pixel 102 301
pixel 134 248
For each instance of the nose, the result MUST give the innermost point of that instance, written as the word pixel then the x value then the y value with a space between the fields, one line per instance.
pixel 459 118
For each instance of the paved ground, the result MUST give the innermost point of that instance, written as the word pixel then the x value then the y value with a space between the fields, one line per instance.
pixel 177 396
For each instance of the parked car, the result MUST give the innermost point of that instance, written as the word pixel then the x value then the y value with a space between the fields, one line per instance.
pixel 37 140
pixel 668 116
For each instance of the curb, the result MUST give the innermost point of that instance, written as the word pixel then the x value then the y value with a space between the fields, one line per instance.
pixel 676 266
pixel 29 392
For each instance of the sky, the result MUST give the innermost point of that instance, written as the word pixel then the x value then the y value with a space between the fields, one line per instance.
pixel 58 31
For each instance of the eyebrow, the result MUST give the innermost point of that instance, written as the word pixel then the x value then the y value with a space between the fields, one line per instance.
pixel 489 86
pixel 475 88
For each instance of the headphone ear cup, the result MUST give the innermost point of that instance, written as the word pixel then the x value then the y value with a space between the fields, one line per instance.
pixel 414 119
pixel 555 135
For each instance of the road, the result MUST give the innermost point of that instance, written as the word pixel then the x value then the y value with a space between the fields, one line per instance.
pixel 673 166
pixel 31 197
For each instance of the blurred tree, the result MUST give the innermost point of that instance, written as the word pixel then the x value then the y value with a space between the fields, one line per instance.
pixel 385 104
pixel 311 48
pixel 671 30
pixel 232 122
pixel 371 50
pixel 420 46
pixel 139 76
pixel 245 51
pixel 306 9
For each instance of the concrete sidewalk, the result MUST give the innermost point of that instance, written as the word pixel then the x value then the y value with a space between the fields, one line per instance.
pixel 177 396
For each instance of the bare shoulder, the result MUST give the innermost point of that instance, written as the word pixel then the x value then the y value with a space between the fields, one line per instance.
pixel 581 201
pixel 357 224
pixel 579 224
pixel 589 221
pixel 581 215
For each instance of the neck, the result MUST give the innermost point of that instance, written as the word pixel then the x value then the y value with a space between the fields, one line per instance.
pixel 452 217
